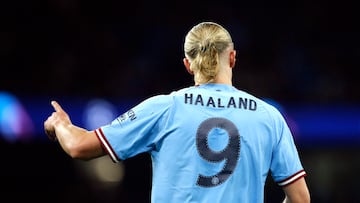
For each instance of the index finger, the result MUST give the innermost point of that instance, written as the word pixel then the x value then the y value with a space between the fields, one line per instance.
pixel 56 106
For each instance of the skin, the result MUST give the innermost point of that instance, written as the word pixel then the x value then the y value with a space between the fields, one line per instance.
pixel 77 142
pixel 80 143
pixel 297 192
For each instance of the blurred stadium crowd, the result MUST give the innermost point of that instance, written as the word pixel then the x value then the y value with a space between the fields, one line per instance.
pixel 304 51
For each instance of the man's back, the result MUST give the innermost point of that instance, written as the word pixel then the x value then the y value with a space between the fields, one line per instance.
pixel 216 145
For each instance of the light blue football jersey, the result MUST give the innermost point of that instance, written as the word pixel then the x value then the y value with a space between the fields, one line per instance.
pixel 208 143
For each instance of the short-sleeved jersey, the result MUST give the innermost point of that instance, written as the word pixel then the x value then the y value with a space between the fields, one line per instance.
pixel 208 143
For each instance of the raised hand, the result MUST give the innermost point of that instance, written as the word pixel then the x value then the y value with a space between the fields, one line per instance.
pixel 58 117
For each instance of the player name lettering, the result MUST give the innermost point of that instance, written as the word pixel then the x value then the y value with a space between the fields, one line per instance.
pixel 230 102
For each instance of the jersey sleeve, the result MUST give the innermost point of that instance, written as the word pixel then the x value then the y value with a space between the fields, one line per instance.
pixel 137 130
pixel 286 166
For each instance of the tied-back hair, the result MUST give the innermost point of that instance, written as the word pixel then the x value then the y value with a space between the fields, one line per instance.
pixel 203 45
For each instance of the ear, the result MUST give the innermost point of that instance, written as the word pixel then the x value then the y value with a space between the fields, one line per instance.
pixel 232 58
pixel 187 66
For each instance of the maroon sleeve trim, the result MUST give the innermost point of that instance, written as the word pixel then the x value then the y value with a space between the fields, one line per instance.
pixel 106 145
pixel 292 178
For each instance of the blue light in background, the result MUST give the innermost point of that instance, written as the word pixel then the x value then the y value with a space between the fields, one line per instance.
pixel 327 123
pixel 98 112
pixel 15 123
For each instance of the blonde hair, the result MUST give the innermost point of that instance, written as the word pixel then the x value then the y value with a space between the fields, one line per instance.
pixel 203 45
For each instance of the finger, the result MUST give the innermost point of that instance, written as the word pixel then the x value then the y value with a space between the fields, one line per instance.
pixel 56 106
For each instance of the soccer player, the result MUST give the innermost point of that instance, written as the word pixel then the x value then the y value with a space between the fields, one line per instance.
pixel 209 142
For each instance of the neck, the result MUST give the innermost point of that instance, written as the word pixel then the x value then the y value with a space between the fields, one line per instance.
pixel 223 77
pixel 222 81
pixel 217 81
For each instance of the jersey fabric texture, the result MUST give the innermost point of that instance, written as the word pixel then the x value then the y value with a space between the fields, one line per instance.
pixel 208 143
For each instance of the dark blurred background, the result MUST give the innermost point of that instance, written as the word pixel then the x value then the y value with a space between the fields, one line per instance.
pixel 106 56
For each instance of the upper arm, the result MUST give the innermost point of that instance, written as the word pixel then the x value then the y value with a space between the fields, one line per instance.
pixel 297 192
pixel 91 146
pixel 81 144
